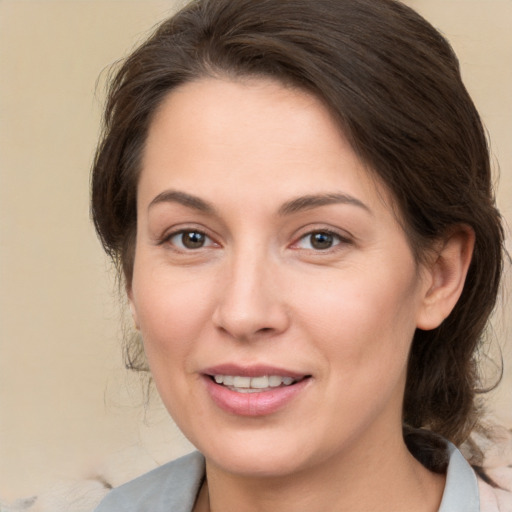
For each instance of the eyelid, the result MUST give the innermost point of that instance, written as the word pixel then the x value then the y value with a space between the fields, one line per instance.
pixel 176 231
pixel 344 238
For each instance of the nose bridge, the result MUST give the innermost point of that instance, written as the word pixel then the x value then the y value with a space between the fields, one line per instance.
pixel 250 301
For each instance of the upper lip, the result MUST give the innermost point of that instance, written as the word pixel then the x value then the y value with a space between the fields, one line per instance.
pixel 256 370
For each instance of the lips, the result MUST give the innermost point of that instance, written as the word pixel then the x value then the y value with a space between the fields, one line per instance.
pixel 253 391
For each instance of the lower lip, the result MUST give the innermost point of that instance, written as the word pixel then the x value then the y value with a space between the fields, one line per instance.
pixel 253 404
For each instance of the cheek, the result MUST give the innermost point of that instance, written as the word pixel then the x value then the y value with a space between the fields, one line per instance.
pixel 172 310
pixel 364 338
pixel 172 313
pixel 362 320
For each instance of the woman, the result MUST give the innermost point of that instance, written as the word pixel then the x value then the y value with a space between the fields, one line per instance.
pixel 298 197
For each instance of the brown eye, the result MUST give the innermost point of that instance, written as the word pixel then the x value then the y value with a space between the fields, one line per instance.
pixel 320 241
pixel 189 240
pixel 192 239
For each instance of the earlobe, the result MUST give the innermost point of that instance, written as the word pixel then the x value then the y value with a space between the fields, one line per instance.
pixel 447 273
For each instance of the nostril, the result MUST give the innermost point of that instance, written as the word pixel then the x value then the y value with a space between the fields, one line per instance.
pixel 245 319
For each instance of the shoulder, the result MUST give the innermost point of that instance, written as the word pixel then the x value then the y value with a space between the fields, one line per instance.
pixel 173 486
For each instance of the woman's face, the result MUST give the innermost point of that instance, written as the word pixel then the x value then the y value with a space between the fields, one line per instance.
pixel 275 291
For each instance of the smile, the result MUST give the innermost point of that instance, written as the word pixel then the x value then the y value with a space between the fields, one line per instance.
pixel 256 391
pixel 259 384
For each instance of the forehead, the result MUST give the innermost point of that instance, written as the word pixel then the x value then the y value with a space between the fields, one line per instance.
pixel 251 137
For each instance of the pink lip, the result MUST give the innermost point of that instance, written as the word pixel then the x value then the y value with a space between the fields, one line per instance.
pixel 252 404
pixel 250 371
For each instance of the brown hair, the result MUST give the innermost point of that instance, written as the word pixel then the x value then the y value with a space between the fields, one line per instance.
pixel 393 84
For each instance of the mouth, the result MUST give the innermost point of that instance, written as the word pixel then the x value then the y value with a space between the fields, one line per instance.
pixel 256 384
pixel 254 390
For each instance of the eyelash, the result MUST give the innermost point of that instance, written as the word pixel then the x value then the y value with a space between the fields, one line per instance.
pixel 333 235
pixel 330 235
pixel 168 239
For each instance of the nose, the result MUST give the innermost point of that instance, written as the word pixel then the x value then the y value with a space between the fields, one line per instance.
pixel 251 303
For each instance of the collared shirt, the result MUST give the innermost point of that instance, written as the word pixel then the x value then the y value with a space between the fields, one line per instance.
pixel 173 487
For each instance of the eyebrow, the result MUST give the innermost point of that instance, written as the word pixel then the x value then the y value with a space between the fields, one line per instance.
pixel 315 201
pixel 188 200
pixel 298 204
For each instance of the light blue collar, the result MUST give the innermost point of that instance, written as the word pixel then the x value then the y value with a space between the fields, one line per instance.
pixel 461 490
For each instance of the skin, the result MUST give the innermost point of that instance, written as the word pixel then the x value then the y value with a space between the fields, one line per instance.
pixel 259 292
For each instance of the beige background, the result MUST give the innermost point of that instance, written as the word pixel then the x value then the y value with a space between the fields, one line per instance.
pixel 67 409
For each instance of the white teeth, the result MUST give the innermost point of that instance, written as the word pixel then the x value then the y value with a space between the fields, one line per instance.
pixel 253 384
pixel 274 381
pixel 259 382
pixel 242 382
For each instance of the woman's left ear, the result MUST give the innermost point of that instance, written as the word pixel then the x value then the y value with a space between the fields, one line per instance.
pixel 446 273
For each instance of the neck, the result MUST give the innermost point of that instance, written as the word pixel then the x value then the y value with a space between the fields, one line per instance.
pixel 354 482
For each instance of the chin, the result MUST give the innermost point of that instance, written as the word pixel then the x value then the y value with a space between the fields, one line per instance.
pixel 257 456
pixel 259 464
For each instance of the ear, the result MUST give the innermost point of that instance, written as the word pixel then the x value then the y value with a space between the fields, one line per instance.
pixel 133 310
pixel 446 273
